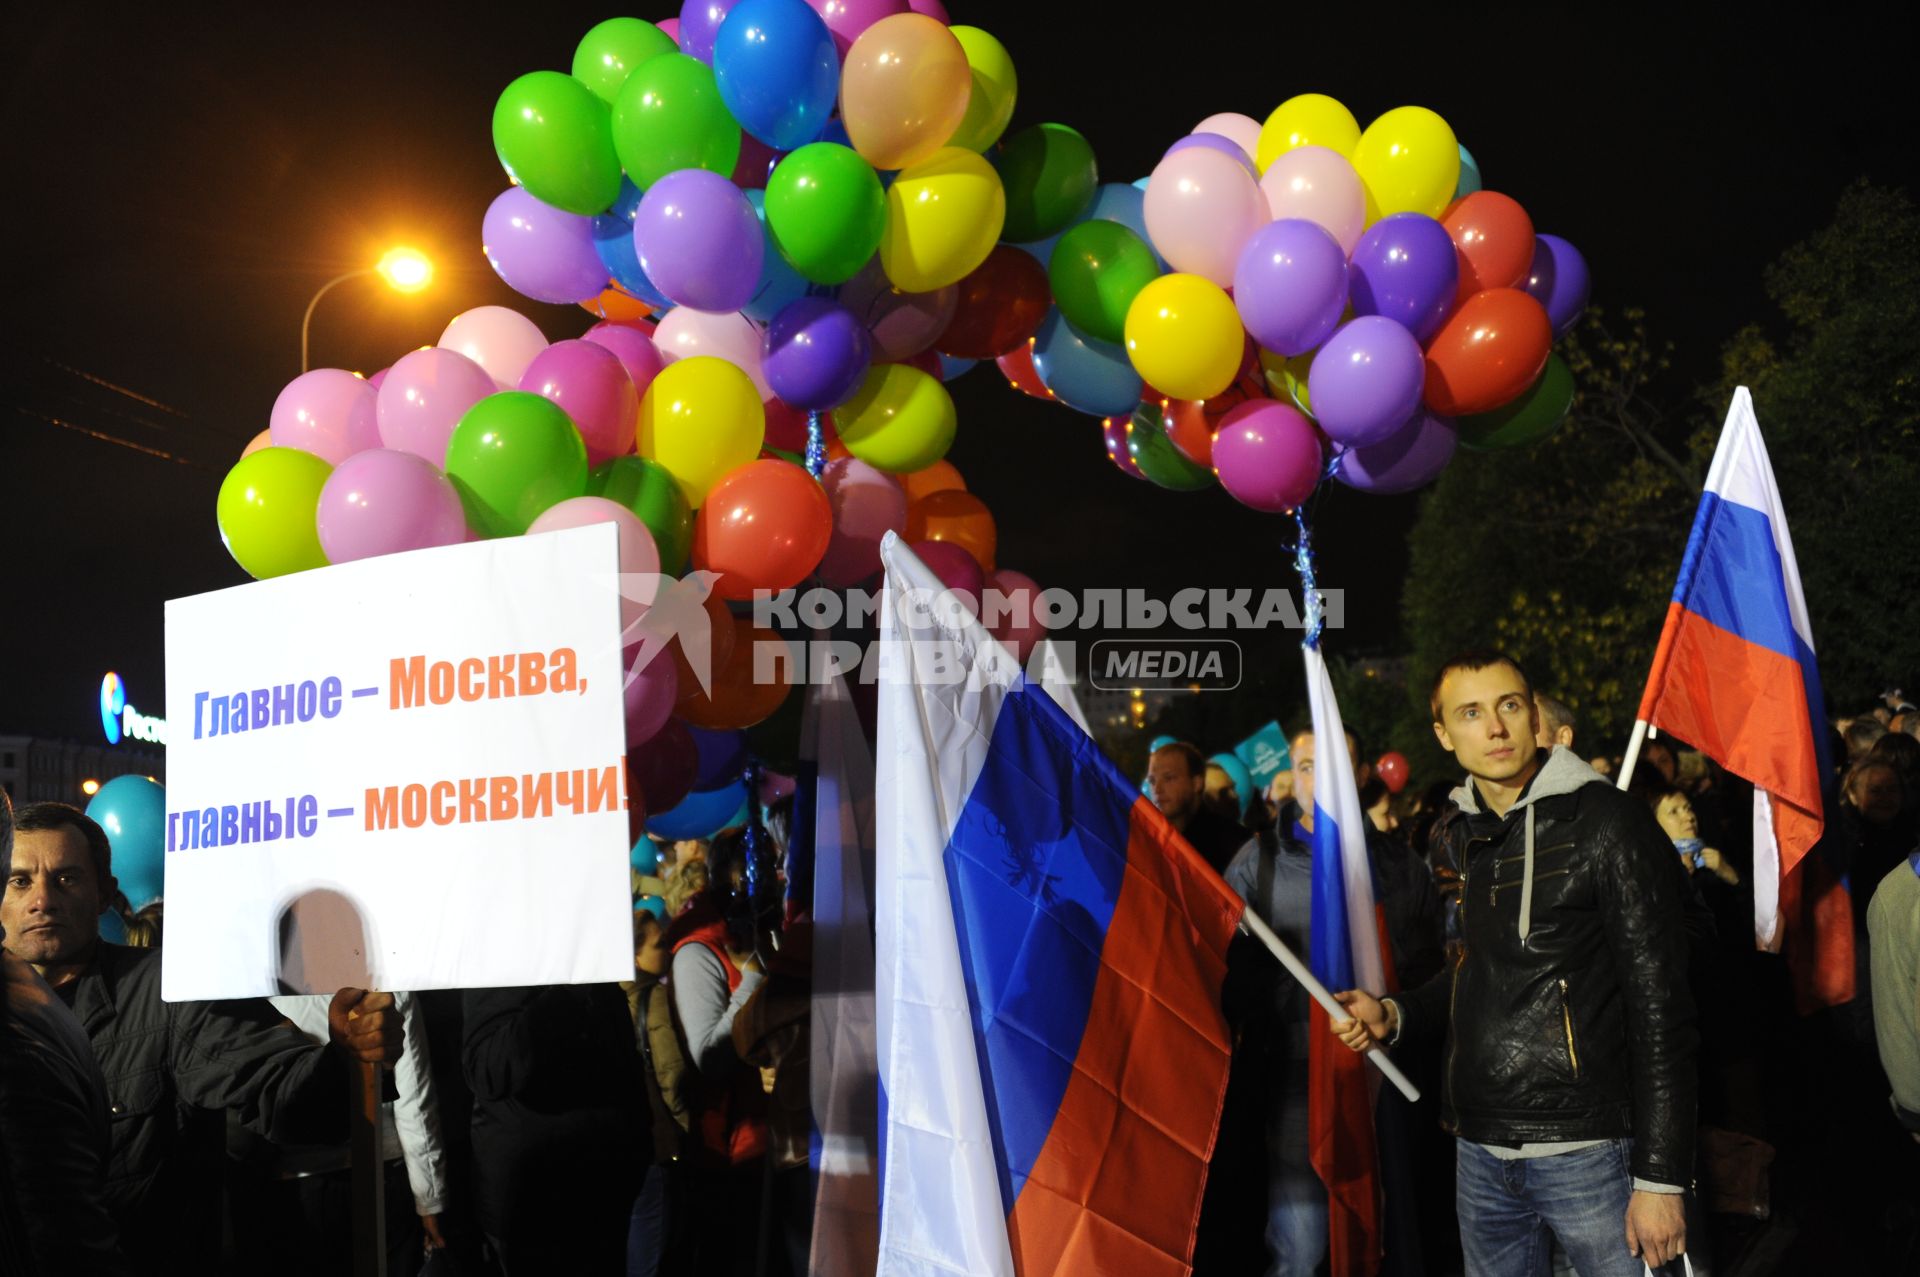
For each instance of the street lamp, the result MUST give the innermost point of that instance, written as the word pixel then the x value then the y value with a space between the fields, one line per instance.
pixel 406 270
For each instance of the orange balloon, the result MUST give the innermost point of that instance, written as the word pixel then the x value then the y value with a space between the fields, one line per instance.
pixel 763 527
pixel 941 476
pixel 1488 354
pixel 617 303
pixel 957 517
pixel 719 647
pixel 904 90
pixel 1493 238
pixel 1189 426
pixel 262 440
pixel 738 700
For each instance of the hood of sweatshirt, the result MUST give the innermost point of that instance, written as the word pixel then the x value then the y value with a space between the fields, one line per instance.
pixel 1562 773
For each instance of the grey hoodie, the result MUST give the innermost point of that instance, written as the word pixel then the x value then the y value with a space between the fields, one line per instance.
pixel 1562 773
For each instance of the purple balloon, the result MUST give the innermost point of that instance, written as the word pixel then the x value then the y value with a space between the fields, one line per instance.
pixel 1559 280
pixel 1290 285
pixel 1366 381
pixel 542 252
pixel 638 355
pixel 700 241
pixel 1267 455
pixel 699 22
pixel 903 324
pixel 650 697
pixel 1214 142
pixel 385 502
pixel 1411 457
pixel 722 754
pixel 815 354
pixel 1406 268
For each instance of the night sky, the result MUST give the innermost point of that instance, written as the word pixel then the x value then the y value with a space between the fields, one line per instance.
pixel 180 181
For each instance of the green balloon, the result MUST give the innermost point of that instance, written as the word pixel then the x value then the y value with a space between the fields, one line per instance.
pixel 1158 459
pixel 1098 268
pixel 608 54
pixel 1528 419
pixel 555 138
pixel 825 212
pixel 267 508
pixel 669 116
pixel 645 487
pixel 1050 177
pixel 511 457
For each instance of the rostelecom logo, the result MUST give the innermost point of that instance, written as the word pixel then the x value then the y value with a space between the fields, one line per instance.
pixel 113 699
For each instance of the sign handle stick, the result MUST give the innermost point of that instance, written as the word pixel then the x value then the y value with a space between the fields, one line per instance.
pixel 369 1192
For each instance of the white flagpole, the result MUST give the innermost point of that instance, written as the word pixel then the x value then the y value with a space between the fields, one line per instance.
pixel 1633 752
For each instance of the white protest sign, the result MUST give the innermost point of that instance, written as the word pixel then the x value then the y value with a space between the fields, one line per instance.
pixel 406 772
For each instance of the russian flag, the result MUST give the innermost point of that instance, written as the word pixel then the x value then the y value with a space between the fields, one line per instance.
pixel 1050 955
pixel 1735 676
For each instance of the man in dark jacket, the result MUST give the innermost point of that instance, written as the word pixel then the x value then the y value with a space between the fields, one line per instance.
pixel 1177 782
pixel 171 1067
pixel 1569 1067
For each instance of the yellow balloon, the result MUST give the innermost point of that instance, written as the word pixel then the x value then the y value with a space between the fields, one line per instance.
pixel 900 420
pixel 1184 337
pixel 904 90
pixel 1309 119
pixel 943 218
pixel 701 419
pixel 995 87
pixel 1409 162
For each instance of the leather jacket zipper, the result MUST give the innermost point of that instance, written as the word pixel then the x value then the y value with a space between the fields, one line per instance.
pixel 1453 992
pixel 1566 1017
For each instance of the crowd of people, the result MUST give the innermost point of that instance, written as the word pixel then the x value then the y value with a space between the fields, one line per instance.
pixel 1611 1072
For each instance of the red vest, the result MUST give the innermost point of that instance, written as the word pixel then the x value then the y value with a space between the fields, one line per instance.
pixel 730 1116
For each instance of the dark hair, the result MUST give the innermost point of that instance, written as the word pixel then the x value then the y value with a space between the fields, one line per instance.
pixel 1864 733
pixel 1196 761
pixel 1467 662
pixel 1650 786
pixel 1900 750
pixel 1556 713
pixel 6 833
pixel 40 817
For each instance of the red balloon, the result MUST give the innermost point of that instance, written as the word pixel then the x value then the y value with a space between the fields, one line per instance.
pixel 1493 238
pixel 763 527
pixel 787 426
pixel 1017 365
pixel 739 698
pixel 1392 770
pixel 719 650
pixel 1190 428
pixel 661 772
pixel 1001 306
pixel 1488 354
pixel 927 361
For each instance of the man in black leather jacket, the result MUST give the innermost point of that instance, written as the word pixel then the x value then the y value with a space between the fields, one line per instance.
pixel 1569 1063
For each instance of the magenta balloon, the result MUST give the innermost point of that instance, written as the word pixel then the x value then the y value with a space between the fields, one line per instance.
pixel 540 251
pixel 1290 286
pixel 958 570
pixel 328 412
pixel 1411 457
pixel 386 502
pixel 1366 381
pixel 1267 455
pixel 377 378
pixel 700 241
pixel 903 324
pixel 1019 633
pixel 590 383
pixel 867 504
pixel 424 396
pixel 1113 432
pixel 650 697
pixel 636 351
pixel 846 19
pixel 932 9
pixel 638 553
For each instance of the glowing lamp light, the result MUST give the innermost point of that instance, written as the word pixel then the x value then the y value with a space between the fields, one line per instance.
pixel 406 270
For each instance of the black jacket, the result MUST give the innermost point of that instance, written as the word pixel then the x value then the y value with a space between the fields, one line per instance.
pixel 1574 1022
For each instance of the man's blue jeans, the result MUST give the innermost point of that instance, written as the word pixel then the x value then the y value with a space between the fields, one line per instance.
pixel 1511 1210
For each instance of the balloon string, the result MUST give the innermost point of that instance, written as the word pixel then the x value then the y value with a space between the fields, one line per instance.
pixel 816 444
pixel 1305 563
pixel 751 842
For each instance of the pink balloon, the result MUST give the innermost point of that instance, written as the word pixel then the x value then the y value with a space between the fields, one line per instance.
pixel 846 19
pixel 1267 455
pixel 262 440
pixel 932 9
pixel 325 412
pixel 903 324
pixel 671 26
pixel 867 504
pixel 588 380
pixel 685 332
pixel 423 398
pixel 1318 185
pixel 1202 207
pixel 1018 626
pixel 501 341
pixel 958 570
pixel 1241 130
pixel 638 355
pixel 378 377
pixel 638 554
pixel 650 697
pixel 387 502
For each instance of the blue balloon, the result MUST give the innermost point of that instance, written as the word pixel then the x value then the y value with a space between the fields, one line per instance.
pixel 780 283
pixel 133 811
pixel 723 756
pixel 645 857
pixel 1242 778
pixel 836 132
pixel 1114 202
pixel 701 814
pixel 653 905
pixel 613 240
pixel 1469 174
pixel 1087 375
pixel 951 368
pixel 777 69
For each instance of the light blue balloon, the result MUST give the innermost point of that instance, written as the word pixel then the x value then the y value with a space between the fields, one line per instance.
pixel 1114 202
pixel 1242 778
pixel 1469 174
pixel 1086 375
pixel 777 69
pixel 951 367
pixel 1141 184
pixel 700 814
pixel 133 811
pixel 645 857
pixel 113 928
pixel 780 283
pixel 653 905
pixel 613 240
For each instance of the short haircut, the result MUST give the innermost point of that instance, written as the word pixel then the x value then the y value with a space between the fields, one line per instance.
pixel 6 833
pixel 1556 713
pixel 1196 761
pixel 1649 784
pixel 40 817
pixel 1862 734
pixel 1900 750
pixel 1468 662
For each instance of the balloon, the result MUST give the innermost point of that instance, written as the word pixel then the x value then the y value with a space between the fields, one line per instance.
pixel 670 116
pixel 1154 455
pixel 1487 355
pixel 1050 177
pixel 541 251
pixel 787 428
pixel 997 307
pixel 815 353
pixel 662 768
pixel 722 756
pixel 755 165
pixel 512 456
pixel 262 440
pixel 994 87
pixel 716 646
pixel 944 214
pixel 1190 427
pixel 647 488
pixel 638 556
pixel 932 8
pixel 133 812
pixel 956 518
pixel 848 19
pixel 266 511
pixel 1214 142
pixel 650 694
pixel 763 527
pixel 634 349
pixel 701 419
pixel 780 284
pixel 1494 238
pixel 957 570
pixel 1184 337
pixel 1241 130
pixel 613 245
pixel 1098 268
pixel 902 324
pixel 589 382
pixel 1202 207
pixel 1290 285
pixel 700 241
pixel 1391 768
pixel 1528 419
pixel 738 699
pixel 1113 433
pixel 1366 381
pixel 553 137
pixel 686 332
pixel 501 341
pixel 1310 119
pixel 1088 376
pixel 425 394
pixel 941 476
pixel 610 51
pixel 1286 379
pixel 1017 367
pixel 387 502
pixel 1319 186
pixel 899 420
pixel 326 412
pixel 1267 455
pixel 867 504
pixel 1469 174
pixel 1558 279
pixel 615 304
pixel 1407 269
pixel 826 212
pixel 1411 457
pixel 1409 161
pixel 1014 616
pixel 904 90
pixel 777 69
pixel 701 814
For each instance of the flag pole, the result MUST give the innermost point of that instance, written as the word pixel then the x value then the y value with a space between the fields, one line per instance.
pixel 1253 924
pixel 1638 739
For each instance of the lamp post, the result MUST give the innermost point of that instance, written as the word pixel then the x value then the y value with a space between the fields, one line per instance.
pixel 406 270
